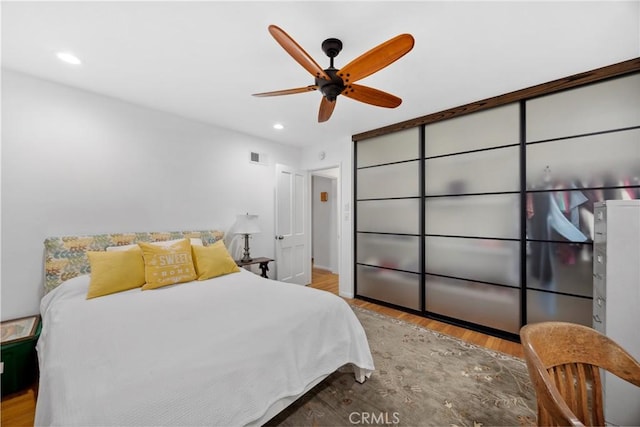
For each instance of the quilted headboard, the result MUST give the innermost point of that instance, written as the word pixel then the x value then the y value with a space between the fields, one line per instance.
pixel 66 258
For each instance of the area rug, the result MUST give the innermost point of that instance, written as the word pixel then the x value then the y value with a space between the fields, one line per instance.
pixel 422 378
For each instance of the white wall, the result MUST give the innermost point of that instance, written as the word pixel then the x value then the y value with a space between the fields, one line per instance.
pixel 74 162
pixel 324 220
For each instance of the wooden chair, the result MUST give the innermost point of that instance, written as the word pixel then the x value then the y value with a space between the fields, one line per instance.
pixel 564 361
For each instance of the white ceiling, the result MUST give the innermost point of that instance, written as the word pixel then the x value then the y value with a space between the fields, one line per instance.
pixel 203 60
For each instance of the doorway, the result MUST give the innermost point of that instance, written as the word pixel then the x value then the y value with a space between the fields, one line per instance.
pixel 325 219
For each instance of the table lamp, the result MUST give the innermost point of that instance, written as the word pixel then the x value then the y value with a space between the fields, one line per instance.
pixel 246 225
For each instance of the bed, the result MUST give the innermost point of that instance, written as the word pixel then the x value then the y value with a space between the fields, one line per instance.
pixel 231 350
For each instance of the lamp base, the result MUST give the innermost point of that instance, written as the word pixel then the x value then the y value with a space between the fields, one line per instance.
pixel 245 256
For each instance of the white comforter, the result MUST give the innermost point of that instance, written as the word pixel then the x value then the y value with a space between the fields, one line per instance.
pixel 217 352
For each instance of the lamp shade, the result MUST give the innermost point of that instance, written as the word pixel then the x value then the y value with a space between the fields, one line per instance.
pixel 246 224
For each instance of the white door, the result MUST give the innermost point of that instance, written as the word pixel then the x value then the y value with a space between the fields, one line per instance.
pixel 292 255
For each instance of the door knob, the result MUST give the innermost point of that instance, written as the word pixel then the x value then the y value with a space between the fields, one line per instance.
pixel 279 237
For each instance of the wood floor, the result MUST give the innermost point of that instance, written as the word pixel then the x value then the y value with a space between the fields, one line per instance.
pixel 19 409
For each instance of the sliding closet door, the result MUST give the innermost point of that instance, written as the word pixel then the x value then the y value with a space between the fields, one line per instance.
pixel 583 146
pixel 472 218
pixel 388 218
pixel 486 218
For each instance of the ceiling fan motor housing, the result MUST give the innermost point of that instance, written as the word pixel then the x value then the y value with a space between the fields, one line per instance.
pixel 331 88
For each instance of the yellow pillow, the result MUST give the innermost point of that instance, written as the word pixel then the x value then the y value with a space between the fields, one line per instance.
pixel 167 265
pixel 113 272
pixel 213 261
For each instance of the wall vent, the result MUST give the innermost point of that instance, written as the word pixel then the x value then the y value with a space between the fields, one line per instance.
pixel 258 158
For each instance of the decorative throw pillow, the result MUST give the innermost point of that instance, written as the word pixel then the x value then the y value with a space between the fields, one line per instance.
pixel 113 272
pixel 213 261
pixel 167 265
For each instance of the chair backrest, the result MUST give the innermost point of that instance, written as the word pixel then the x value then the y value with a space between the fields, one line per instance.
pixel 564 362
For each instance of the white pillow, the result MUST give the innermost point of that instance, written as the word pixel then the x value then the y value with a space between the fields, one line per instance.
pixel 194 241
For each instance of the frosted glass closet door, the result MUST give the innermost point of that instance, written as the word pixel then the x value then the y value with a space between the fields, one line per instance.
pixel 581 148
pixel 472 218
pixel 388 218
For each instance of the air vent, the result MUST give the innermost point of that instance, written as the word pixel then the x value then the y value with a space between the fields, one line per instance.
pixel 258 158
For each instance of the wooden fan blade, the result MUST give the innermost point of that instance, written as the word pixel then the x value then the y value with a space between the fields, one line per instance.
pixel 326 109
pixel 297 52
pixel 376 58
pixel 310 88
pixel 371 96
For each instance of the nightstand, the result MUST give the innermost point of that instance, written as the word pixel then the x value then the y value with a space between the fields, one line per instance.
pixel 264 264
pixel 18 354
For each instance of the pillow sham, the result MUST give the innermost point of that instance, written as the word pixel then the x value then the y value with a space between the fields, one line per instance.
pixel 213 261
pixel 113 272
pixel 167 265
pixel 193 240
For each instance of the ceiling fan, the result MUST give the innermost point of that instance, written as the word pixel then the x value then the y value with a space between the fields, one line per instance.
pixel 333 82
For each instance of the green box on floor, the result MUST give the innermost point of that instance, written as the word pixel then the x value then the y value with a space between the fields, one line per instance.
pixel 20 363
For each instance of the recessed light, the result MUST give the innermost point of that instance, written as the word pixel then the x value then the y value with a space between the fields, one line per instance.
pixel 69 58
pixel 278 126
